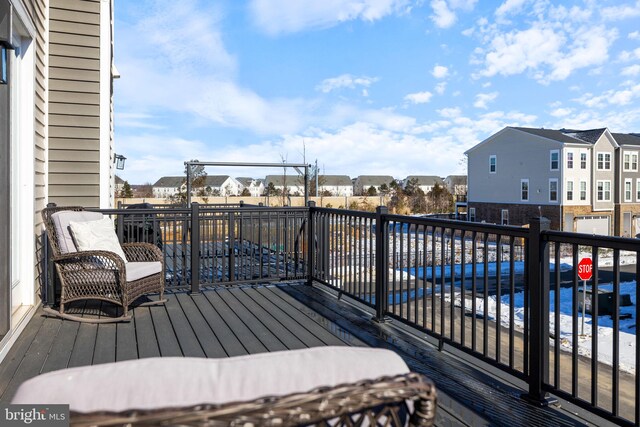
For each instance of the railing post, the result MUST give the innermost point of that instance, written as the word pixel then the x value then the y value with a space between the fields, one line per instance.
pixel 381 265
pixel 195 247
pixel 311 241
pixel 232 247
pixel 538 281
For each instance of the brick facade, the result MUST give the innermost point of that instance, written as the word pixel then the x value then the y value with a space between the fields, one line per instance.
pixel 519 214
pixel 618 224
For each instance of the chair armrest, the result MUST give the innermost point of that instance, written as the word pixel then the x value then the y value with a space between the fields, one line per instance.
pixel 384 398
pixel 95 260
pixel 142 252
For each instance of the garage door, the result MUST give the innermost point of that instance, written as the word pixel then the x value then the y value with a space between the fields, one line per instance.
pixel 593 225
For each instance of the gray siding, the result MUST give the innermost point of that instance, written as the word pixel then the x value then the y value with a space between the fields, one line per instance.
pixel 74 102
pixel 519 155
pixel 603 145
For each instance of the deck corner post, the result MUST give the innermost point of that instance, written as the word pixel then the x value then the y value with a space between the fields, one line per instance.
pixel 311 242
pixel 195 247
pixel 538 282
pixel 381 264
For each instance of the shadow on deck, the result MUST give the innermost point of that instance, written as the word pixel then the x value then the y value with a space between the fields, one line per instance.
pixel 233 321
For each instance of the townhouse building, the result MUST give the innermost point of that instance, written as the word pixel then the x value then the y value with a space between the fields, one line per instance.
pixel 584 181
pixel 363 182
pixel 253 185
pixel 336 185
pixel 424 182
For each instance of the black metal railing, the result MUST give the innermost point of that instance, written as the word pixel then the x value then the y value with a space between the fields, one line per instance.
pixel 506 295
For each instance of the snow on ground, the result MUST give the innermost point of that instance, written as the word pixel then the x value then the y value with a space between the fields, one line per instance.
pixel 627 334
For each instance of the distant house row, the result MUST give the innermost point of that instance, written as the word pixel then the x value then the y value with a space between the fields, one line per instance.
pixel 584 181
pixel 327 185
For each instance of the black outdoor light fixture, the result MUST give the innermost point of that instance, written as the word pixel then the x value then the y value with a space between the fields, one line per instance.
pixel 119 159
pixel 4 65
pixel 6 42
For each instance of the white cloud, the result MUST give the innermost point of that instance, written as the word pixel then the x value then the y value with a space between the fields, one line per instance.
pixel 611 97
pixel 635 35
pixel 509 7
pixel 561 112
pixel 440 72
pixel 450 113
pixel 418 97
pixel 632 70
pixel 629 55
pixel 482 99
pixel 443 11
pixel 345 81
pixel 549 53
pixel 617 13
pixel 440 88
pixel 289 16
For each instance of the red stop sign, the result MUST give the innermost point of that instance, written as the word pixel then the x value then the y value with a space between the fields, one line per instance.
pixel 585 269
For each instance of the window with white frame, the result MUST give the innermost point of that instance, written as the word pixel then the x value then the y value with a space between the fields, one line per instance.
pixel 472 214
pixel 569 160
pixel 604 161
pixel 628 193
pixel 569 190
pixel 553 190
pixel 630 161
pixel 603 191
pixel 554 160
pixel 493 163
pixel 583 160
pixel 524 190
pixel 504 217
pixel 583 190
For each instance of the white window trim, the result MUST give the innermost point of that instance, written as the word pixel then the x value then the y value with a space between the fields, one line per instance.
pixel 557 190
pixel 624 190
pixel 494 157
pixel 631 154
pixel 586 191
pixel 551 153
pixel 504 213
pixel 604 153
pixel 472 214
pixel 573 159
pixel 573 191
pixel 522 181
pixel 603 190
pixel 586 160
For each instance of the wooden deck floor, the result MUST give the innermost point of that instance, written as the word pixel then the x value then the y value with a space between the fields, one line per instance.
pixel 243 320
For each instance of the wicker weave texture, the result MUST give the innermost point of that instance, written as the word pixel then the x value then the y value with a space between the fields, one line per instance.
pixel 101 274
pixel 378 402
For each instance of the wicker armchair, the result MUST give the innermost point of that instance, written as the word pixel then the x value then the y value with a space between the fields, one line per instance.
pixel 101 275
pixel 378 402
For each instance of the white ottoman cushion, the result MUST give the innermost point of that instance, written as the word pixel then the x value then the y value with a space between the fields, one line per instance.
pixel 179 382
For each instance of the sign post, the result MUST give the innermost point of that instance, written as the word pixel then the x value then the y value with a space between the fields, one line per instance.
pixel 585 271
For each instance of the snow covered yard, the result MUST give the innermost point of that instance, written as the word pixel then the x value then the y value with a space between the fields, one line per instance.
pixel 604 334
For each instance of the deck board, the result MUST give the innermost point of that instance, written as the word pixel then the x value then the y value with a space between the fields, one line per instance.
pixel 222 322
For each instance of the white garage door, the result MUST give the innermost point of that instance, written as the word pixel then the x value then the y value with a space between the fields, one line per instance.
pixel 593 225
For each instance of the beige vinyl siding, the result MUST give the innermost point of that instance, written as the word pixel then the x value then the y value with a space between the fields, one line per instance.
pixel 74 102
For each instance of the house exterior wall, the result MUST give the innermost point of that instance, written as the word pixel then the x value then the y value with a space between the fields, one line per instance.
pixel 79 139
pixel 576 175
pixel 337 190
pixel 607 146
pixel 518 156
pixel 519 214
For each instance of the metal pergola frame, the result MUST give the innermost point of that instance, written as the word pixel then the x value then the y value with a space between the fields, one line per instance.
pixel 295 166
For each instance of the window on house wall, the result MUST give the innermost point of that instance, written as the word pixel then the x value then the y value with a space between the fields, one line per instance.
pixel 569 190
pixel 555 160
pixel 524 190
pixel 627 190
pixel 569 160
pixel 630 161
pixel 583 160
pixel 603 191
pixel 604 161
pixel 472 214
pixel 553 190
pixel 493 163
pixel 583 190
pixel 504 217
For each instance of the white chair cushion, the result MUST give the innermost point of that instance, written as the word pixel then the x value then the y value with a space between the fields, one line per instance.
pixel 138 270
pixel 96 236
pixel 61 223
pixel 178 382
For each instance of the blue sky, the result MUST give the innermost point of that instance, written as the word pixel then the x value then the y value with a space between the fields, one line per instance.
pixel 388 87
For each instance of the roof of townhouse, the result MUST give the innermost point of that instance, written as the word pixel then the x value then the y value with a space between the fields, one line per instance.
pixel 247 181
pixel 367 180
pixel 627 138
pixel 457 179
pixel 425 179
pixel 119 180
pixel 170 181
pixel 557 135
pixel 280 180
pixel 215 180
pixel 335 180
